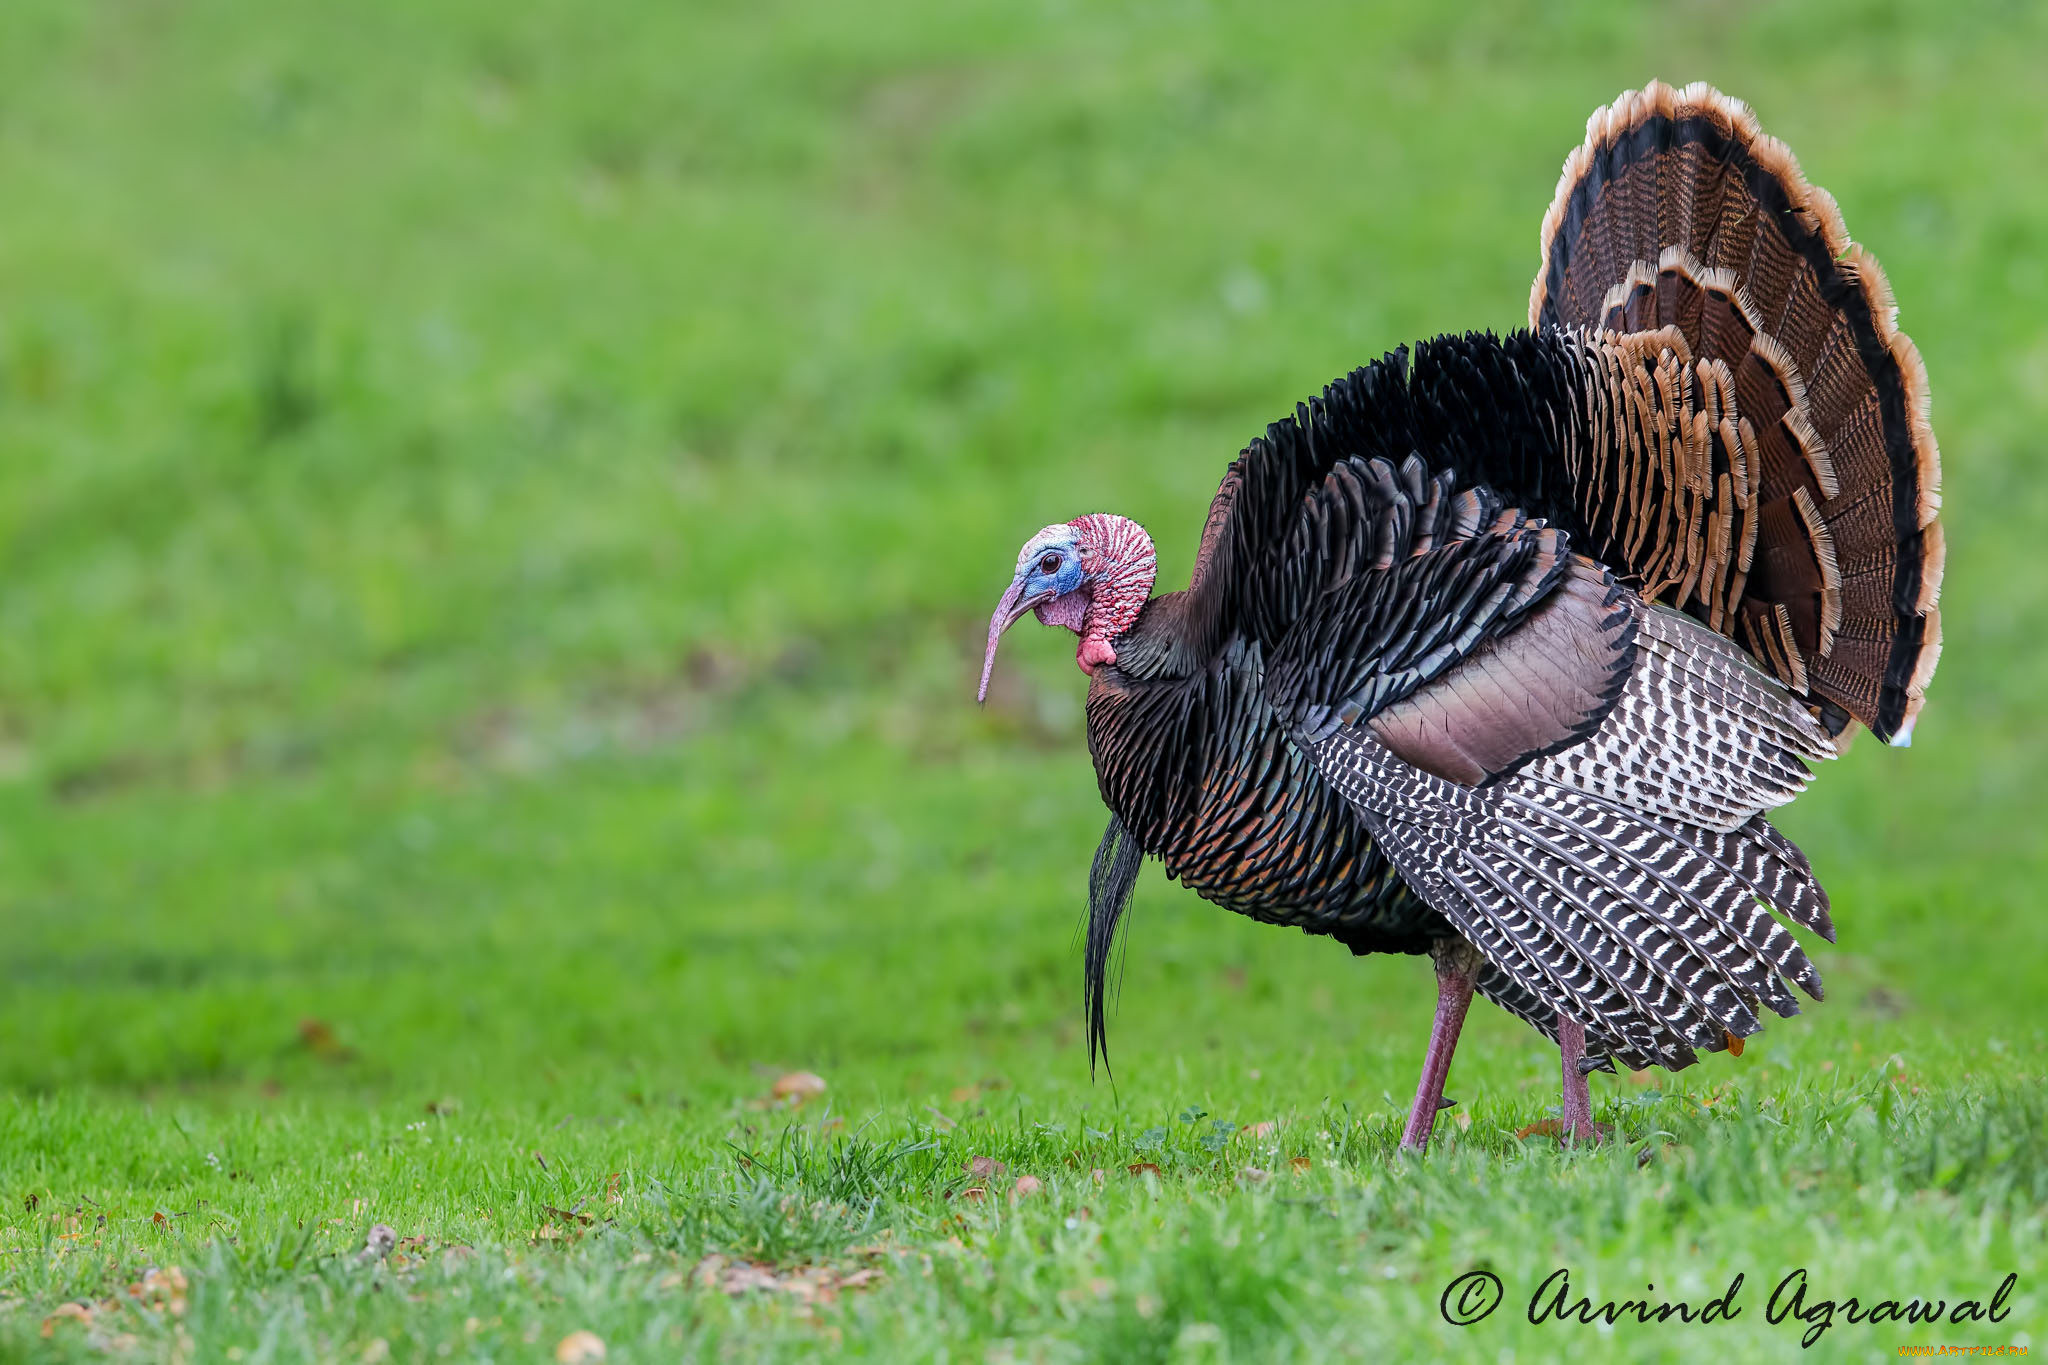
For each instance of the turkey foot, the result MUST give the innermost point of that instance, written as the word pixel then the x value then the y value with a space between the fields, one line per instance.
pixel 1575 1123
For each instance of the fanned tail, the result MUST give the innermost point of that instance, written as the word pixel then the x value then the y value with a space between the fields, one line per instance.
pixel 1754 438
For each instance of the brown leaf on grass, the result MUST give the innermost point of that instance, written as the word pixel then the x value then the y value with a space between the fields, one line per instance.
pixel 1143 1168
pixel 579 1347
pixel 1300 1164
pixel 965 1094
pixel 1555 1128
pixel 611 1188
pixel 571 1216
pixel 162 1289
pixel 1026 1186
pixel 78 1312
pixel 797 1086
pixel 1265 1128
pixel 974 1193
pixel 317 1036
pixel 983 1167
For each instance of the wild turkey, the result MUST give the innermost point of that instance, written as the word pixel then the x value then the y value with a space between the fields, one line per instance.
pixel 1499 650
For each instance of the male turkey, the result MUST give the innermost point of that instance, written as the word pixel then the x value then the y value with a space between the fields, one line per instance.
pixel 1500 650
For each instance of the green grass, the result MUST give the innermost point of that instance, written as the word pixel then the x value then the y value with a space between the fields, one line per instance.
pixel 497 512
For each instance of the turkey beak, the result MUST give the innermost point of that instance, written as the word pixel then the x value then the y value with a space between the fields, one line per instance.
pixel 1008 612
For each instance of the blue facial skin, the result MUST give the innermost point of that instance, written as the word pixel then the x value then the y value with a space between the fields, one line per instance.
pixel 1039 584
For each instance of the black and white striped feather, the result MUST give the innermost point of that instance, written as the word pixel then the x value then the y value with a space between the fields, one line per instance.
pixel 1622 881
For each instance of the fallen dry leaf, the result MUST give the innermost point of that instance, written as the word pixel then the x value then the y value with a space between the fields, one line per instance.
pixel 974 1192
pixel 317 1036
pixel 1027 1185
pixel 798 1086
pixel 166 1286
pixel 965 1094
pixel 1555 1128
pixel 982 1167
pixel 80 1312
pixel 1300 1164
pixel 578 1347
pixel 1143 1168
pixel 1263 1129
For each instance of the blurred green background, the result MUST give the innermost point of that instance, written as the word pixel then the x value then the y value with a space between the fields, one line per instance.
pixel 499 506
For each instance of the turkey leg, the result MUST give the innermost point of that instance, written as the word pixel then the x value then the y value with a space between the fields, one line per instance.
pixel 1576 1119
pixel 1457 967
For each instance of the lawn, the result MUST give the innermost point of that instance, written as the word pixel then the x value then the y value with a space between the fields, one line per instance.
pixel 498 509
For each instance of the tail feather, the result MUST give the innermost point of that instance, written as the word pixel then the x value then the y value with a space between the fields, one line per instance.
pixel 1799 431
pixel 1690 901
pixel 1645 932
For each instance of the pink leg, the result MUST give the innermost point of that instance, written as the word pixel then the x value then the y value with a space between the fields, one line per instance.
pixel 1577 1116
pixel 1457 967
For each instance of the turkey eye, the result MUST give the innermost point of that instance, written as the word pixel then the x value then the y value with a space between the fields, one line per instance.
pixel 1049 564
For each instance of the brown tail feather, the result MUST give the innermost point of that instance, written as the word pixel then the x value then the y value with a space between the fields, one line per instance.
pixel 1679 212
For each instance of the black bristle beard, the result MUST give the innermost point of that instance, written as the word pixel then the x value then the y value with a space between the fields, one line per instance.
pixel 1110 883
